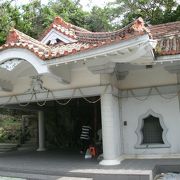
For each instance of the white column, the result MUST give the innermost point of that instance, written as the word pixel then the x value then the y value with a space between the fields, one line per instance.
pixel 110 130
pixel 41 131
pixel 178 87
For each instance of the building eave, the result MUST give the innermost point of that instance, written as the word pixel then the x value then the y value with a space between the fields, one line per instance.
pixel 167 58
pixel 106 50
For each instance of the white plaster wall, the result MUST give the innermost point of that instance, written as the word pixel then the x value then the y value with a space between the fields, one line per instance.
pixel 21 86
pixel 148 77
pixel 80 77
pixel 132 109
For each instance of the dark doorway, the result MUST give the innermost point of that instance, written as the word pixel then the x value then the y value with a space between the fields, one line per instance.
pixel 63 123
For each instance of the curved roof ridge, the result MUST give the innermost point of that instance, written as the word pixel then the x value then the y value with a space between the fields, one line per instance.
pixel 136 26
pixel 164 24
pixel 86 40
pixel 63 27
pixel 16 36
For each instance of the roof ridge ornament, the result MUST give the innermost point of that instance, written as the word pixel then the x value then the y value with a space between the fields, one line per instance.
pixel 60 21
pixel 139 26
pixel 13 36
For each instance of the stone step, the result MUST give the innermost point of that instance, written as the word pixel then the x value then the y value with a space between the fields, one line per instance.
pixel 28 146
pixel 4 147
pixel 36 176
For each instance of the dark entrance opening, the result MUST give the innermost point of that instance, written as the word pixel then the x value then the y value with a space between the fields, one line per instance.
pixel 63 123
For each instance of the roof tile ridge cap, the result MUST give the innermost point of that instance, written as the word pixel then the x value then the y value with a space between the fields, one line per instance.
pixel 111 32
pixel 73 36
pixel 57 21
pixel 137 25
pixel 34 41
pixel 164 24
pixel 13 36
pixel 60 21
pixel 59 45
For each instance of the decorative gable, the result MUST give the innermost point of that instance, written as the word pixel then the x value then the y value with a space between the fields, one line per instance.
pixel 54 37
pixel 59 31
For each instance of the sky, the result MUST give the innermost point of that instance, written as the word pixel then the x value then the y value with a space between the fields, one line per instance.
pixel 87 5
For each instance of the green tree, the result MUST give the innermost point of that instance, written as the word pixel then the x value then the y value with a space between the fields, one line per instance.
pixel 152 11
pixel 99 19
pixel 70 11
pixel 9 17
pixel 34 17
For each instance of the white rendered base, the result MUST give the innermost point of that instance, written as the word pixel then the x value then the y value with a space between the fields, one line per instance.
pixel 109 162
pixel 41 149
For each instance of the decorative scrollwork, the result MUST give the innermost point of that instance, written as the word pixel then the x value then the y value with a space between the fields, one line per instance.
pixel 10 64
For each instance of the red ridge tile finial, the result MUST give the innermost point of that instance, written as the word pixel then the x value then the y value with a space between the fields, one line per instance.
pixel 140 27
pixel 138 24
pixel 59 21
pixel 13 36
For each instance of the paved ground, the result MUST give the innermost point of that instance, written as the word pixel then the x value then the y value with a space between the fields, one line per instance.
pixel 60 165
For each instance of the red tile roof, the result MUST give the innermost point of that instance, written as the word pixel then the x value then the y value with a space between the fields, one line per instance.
pixel 17 39
pixel 63 27
pixel 168 37
pixel 86 40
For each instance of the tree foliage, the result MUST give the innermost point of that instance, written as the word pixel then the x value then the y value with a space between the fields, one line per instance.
pixel 152 11
pixel 99 19
pixel 33 17
pixel 9 17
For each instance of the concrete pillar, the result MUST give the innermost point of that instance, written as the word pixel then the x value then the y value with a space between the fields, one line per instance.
pixel 178 86
pixel 110 130
pixel 41 131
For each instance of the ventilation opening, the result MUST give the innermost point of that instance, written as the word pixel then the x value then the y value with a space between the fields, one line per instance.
pixel 149 66
pixel 152 131
pixel 53 41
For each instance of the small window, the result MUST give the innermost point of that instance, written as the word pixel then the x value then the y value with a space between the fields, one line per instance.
pixel 58 40
pixel 152 131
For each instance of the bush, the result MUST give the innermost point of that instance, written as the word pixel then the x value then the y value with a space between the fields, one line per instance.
pixel 10 129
